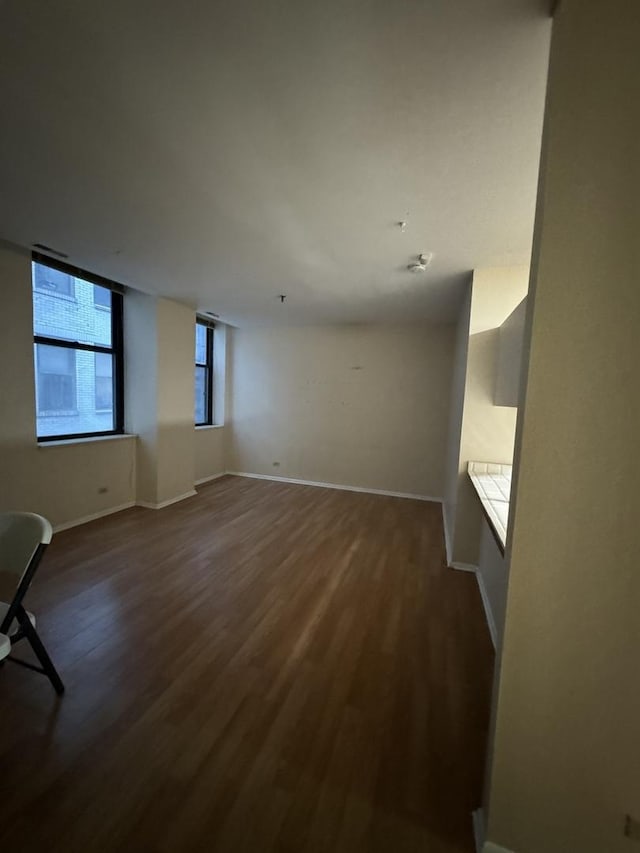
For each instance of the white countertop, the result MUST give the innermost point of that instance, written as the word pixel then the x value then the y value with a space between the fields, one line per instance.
pixel 492 482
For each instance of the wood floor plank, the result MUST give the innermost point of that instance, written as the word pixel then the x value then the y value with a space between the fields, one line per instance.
pixel 263 667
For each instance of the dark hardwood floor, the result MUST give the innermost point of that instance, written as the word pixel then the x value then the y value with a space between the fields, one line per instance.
pixel 264 667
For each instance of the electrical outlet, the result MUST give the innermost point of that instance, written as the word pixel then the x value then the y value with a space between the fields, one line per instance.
pixel 631 828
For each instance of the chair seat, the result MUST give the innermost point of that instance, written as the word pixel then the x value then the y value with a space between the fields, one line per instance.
pixel 14 625
pixel 5 646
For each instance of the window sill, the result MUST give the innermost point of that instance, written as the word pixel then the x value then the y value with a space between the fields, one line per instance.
pixel 210 426
pixel 86 440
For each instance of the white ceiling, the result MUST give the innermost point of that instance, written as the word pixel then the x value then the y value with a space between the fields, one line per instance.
pixel 225 151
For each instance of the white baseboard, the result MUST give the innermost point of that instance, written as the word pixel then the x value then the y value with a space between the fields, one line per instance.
pixel 464 567
pixel 479 829
pixel 341 487
pixel 203 480
pixel 93 517
pixel 490 847
pixel 58 528
pixel 163 504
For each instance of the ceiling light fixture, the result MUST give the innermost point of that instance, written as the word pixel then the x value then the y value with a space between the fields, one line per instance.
pixel 422 263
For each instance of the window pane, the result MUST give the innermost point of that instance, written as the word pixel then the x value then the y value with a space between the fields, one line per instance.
pixel 53 281
pixel 82 318
pixel 103 382
pixel 201 343
pixel 74 391
pixel 56 387
pixel 201 395
pixel 101 296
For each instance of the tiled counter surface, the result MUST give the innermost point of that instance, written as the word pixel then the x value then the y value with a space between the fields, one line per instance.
pixel 492 482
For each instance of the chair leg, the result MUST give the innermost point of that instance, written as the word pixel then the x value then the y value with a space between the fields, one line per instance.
pixel 41 653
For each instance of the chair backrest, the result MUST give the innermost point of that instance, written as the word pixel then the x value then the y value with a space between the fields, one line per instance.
pixel 23 538
pixel 20 535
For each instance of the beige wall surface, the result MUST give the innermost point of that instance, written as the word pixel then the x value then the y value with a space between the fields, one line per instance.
pixel 64 482
pixel 362 406
pixel 175 417
pixel 566 769
pixel 487 431
pixel 493 571
pixel 209 452
pixel 509 374
pixel 497 291
pixel 159 397
pixel 141 388
pixel 458 383
pixel 159 359
pixel 488 434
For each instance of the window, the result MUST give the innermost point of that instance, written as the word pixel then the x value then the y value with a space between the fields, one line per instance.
pixel 53 281
pixel 204 374
pixel 77 351
pixel 102 297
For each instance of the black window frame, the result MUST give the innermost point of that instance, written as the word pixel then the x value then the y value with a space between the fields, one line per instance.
pixel 116 350
pixel 208 365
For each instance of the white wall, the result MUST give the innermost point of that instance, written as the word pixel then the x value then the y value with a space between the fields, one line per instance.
pixel 362 406
pixel 141 388
pixel 565 768
pixel 493 578
pixel 159 376
pixel 486 431
pixel 209 453
pixel 175 416
pixel 509 374
pixel 458 383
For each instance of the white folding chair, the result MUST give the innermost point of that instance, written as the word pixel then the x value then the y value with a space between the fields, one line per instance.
pixel 23 539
